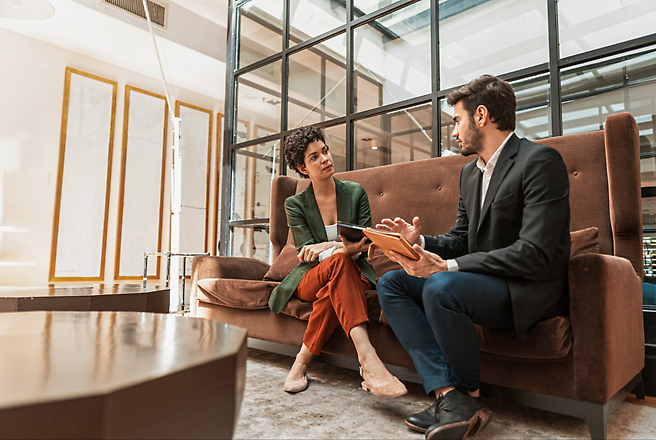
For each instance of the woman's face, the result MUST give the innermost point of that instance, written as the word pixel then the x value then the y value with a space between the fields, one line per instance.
pixel 318 161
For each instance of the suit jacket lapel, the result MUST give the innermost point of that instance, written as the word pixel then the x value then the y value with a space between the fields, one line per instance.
pixel 343 202
pixel 502 167
pixel 315 222
pixel 474 208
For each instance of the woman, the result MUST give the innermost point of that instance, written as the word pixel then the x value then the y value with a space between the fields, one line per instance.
pixel 333 273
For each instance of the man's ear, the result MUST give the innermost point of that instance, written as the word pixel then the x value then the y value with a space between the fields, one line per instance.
pixel 481 115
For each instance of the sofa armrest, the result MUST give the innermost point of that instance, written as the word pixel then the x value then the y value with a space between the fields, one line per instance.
pixel 606 319
pixel 223 267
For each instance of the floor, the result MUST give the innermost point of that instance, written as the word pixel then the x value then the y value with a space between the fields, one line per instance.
pixel 334 406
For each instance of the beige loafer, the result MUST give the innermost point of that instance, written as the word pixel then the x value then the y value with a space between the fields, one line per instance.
pixel 296 386
pixel 389 390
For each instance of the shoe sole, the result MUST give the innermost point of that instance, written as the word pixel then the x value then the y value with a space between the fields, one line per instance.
pixel 462 429
pixel 415 427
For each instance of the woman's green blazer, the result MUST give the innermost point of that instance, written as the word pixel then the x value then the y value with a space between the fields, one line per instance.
pixel 304 220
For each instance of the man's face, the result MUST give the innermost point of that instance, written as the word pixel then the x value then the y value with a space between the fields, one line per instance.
pixel 466 131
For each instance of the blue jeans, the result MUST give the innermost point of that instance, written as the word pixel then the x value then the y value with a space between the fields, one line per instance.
pixel 434 319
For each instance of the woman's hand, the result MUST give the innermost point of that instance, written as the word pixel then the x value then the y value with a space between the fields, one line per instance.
pixel 311 252
pixel 411 232
pixel 352 248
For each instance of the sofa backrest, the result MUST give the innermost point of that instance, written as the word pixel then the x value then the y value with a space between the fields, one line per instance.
pixel 604 175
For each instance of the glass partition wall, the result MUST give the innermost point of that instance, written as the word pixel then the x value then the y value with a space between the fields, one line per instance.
pixel 374 74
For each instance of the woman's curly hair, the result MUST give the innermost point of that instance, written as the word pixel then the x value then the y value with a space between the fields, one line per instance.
pixel 296 145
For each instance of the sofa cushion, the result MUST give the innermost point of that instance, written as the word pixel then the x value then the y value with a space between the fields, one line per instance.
pixel 239 294
pixel 283 264
pixel 550 339
pixel 382 264
pixel 584 241
pixel 302 309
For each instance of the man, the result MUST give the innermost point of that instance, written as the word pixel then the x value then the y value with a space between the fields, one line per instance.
pixel 503 264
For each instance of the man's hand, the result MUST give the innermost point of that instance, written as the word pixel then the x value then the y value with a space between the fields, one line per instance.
pixel 352 248
pixel 411 232
pixel 311 252
pixel 428 263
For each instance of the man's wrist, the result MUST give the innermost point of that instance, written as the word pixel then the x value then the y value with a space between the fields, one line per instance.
pixel 452 265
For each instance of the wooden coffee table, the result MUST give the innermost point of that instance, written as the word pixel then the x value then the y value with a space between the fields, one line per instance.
pixel 119 375
pixel 92 297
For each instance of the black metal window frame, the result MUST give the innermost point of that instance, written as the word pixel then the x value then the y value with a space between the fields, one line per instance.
pixel 552 69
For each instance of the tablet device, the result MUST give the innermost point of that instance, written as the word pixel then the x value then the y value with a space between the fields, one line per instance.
pixel 391 241
pixel 353 233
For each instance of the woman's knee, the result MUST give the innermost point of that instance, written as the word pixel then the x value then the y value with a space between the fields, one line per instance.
pixel 340 259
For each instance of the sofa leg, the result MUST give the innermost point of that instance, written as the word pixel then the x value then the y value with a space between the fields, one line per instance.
pixel 639 390
pixel 595 417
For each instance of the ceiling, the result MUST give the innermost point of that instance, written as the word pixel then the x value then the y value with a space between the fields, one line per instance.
pixel 192 48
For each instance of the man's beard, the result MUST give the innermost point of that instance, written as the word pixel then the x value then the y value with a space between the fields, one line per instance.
pixel 472 142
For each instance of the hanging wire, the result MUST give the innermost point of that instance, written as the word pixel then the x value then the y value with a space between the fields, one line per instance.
pixel 159 60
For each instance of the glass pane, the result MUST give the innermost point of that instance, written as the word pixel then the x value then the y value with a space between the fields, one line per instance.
pixel 260 30
pixel 532 115
pixel 317 83
pixel 629 69
pixel 588 78
pixel 361 7
pixel 484 38
pixel 336 140
pixel 393 57
pixel 258 102
pixel 449 144
pixel 590 113
pixel 395 137
pixel 253 169
pixel 589 105
pixel 590 24
pixel 251 242
pixel 309 18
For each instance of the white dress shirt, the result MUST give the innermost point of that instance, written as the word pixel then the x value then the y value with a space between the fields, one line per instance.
pixel 487 169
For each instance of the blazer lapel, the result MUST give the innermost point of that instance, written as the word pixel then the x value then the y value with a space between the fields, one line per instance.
pixel 343 202
pixel 502 167
pixel 474 208
pixel 315 223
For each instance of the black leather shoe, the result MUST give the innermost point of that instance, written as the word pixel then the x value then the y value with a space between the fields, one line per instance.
pixel 421 421
pixel 459 415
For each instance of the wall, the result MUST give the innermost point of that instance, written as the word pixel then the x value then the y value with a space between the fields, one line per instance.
pixel 32 76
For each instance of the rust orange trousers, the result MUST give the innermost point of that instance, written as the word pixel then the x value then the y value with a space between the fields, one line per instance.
pixel 336 288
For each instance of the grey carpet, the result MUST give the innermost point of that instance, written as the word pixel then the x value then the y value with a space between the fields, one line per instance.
pixel 334 406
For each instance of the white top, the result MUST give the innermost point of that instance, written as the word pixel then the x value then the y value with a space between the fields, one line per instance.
pixel 331 234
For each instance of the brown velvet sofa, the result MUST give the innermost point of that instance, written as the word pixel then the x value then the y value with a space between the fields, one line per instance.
pixel 582 365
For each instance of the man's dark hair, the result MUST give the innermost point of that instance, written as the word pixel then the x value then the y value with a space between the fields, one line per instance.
pixel 296 145
pixel 494 93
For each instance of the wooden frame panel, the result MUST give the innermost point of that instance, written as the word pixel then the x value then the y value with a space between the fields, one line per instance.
pixel 179 104
pixel 121 201
pixel 60 177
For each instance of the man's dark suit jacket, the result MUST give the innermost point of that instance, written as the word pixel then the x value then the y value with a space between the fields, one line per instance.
pixel 521 233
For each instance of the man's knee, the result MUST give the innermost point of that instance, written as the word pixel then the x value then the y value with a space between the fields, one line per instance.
pixel 388 285
pixel 440 291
